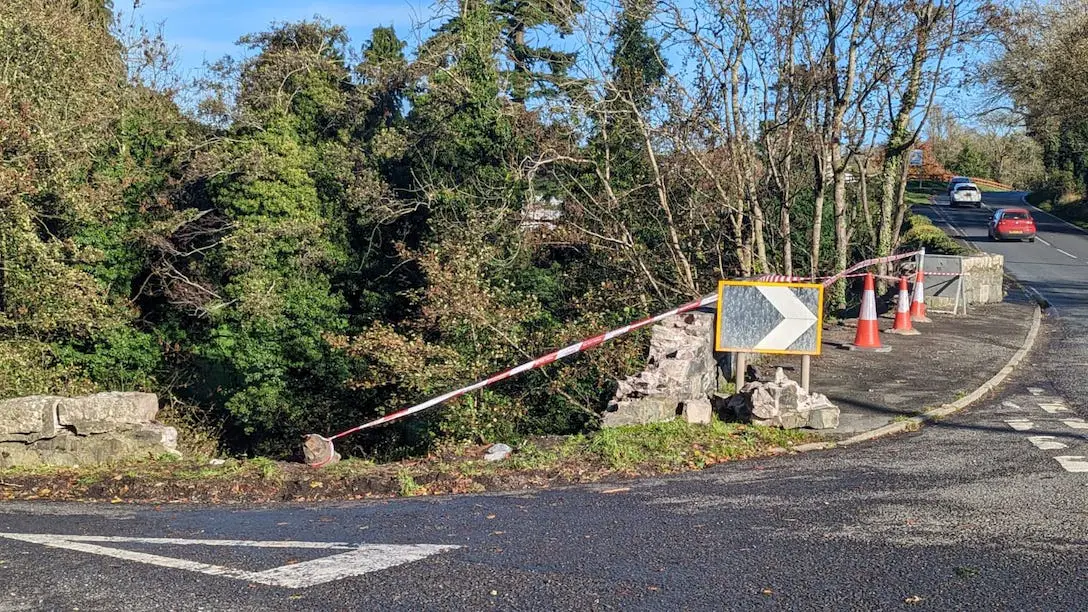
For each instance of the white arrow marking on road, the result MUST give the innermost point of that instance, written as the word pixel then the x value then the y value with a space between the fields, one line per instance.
pixel 1046 443
pixel 1054 408
pixel 797 318
pixel 1073 463
pixel 1076 423
pixel 1020 424
pixel 360 558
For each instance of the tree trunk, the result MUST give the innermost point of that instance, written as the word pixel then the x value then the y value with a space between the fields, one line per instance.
pixel 842 240
pixel 901 208
pixel 818 216
pixel 900 138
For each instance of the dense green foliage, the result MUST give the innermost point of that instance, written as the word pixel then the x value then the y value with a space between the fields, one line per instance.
pixel 336 232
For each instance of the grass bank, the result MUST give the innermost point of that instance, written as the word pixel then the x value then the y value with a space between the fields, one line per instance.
pixel 609 455
pixel 1071 207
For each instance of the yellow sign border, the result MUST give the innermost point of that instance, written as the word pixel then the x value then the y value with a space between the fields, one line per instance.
pixel 819 316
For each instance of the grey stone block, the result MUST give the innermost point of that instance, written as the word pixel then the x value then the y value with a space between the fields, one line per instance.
pixel 698 411
pixel 656 409
pixel 823 418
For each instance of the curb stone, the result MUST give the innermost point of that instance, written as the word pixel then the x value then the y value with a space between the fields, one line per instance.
pixel 914 423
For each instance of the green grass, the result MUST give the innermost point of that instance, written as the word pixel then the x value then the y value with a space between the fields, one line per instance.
pixel 1070 207
pixel 635 450
pixel 675 444
pixel 926 187
pixel 915 198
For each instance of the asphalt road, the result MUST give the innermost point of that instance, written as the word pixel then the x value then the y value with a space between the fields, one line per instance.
pixel 985 510
pixel 1054 267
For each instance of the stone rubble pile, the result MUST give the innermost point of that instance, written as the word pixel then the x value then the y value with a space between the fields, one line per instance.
pixel 44 429
pixel 681 373
pixel 782 403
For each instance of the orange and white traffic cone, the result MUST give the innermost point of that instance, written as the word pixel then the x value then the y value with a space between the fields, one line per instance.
pixel 918 306
pixel 902 324
pixel 868 334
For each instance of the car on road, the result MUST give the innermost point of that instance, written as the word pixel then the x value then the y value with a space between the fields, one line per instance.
pixel 1012 224
pixel 966 194
pixel 956 180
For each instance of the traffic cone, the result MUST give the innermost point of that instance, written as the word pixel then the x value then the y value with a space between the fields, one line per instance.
pixel 918 306
pixel 868 334
pixel 902 324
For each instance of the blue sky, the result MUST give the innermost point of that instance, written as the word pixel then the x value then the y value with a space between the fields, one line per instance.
pixel 200 30
pixel 207 29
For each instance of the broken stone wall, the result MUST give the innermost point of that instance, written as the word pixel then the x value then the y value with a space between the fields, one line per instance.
pixel 681 373
pixel 51 430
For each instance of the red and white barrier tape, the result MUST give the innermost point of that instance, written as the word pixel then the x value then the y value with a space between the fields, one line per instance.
pixel 870 262
pixel 830 280
pixel 573 349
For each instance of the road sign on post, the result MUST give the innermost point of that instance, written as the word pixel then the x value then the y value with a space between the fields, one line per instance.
pixel 760 317
pixel 916 157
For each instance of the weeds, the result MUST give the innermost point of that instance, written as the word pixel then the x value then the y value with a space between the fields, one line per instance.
pixel 408 486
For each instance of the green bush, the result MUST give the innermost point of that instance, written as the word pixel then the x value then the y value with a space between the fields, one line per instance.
pixel 921 233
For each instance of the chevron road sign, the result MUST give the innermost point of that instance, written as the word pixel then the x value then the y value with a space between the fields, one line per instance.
pixel 760 317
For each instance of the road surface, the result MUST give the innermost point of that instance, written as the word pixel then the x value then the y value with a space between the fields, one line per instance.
pixel 985 510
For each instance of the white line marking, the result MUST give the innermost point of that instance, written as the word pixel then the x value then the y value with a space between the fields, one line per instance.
pixel 1046 443
pixel 1043 240
pixel 1067 253
pixel 1010 405
pixel 1054 408
pixel 1076 423
pixel 361 558
pixel 1035 391
pixel 1020 424
pixel 1073 463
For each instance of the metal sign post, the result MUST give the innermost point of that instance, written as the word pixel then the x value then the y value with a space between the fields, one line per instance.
pixel 775 318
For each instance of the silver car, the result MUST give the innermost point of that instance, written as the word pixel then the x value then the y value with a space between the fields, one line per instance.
pixel 957 180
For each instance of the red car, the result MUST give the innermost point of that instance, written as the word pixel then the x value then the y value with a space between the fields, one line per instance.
pixel 1012 224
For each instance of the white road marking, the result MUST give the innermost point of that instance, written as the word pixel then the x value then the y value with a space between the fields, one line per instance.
pixel 1076 423
pixel 1073 463
pixel 1020 424
pixel 1043 240
pixel 360 558
pixel 1035 391
pixel 1066 253
pixel 1054 407
pixel 1010 405
pixel 1046 443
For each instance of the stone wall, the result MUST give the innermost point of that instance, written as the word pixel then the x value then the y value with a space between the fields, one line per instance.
pixel 681 373
pixel 50 430
pixel 983 278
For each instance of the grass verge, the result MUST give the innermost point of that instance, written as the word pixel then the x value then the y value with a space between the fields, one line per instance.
pixel 1068 206
pixel 611 454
